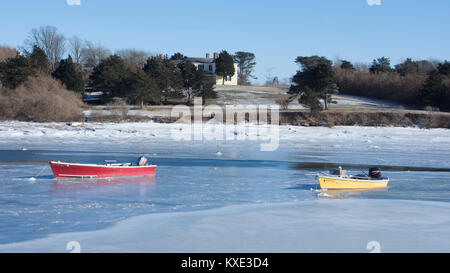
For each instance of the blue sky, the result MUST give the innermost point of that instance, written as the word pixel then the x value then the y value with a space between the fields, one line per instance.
pixel 276 31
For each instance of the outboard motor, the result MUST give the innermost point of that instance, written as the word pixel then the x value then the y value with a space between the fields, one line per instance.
pixel 374 172
pixel 142 161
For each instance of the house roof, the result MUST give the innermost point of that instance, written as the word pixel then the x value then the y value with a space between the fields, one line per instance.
pixel 200 60
pixel 196 60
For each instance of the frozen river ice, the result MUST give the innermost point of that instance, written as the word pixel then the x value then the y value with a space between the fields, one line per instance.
pixel 196 180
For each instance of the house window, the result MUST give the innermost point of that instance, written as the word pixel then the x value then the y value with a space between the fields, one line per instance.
pixel 210 68
pixel 201 67
pixel 228 79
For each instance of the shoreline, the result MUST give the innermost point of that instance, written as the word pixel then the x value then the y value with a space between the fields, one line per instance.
pixel 116 136
pixel 330 118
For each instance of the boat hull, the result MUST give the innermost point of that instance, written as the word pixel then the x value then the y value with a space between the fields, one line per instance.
pixel 70 170
pixel 335 183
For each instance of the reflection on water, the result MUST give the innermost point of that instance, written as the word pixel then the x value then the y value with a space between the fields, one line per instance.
pixel 142 185
pixel 341 194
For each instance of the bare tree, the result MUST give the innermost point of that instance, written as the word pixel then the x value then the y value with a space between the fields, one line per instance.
pixel 337 62
pixel 286 81
pixel 50 41
pixel 92 55
pixel 363 67
pixel 272 81
pixel 138 57
pixel 75 47
pixel 7 52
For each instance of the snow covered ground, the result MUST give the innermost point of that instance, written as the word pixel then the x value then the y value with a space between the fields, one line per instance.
pixel 222 196
pixel 376 145
pixel 15 132
pixel 242 95
pixel 352 101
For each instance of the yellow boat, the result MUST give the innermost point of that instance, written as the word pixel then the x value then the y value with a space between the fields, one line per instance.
pixel 339 180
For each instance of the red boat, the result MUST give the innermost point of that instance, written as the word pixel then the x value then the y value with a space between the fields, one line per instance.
pixel 78 170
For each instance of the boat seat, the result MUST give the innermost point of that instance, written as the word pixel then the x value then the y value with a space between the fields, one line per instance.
pixel 119 164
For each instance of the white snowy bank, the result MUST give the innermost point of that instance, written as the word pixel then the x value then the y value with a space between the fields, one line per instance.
pixel 308 226
pixel 15 132
pixel 372 145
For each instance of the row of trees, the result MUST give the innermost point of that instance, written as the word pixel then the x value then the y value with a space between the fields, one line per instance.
pixel 422 83
pixel 434 90
pixel 157 81
pixel 383 65
pixel 132 74
pixel 87 55
pixel 55 46
pixel 84 54
pixel 14 71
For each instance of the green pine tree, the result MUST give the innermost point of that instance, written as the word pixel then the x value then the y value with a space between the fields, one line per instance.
pixel 407 67
pixel 39 60
pixel 69 75
pixel 15 71
pixel 166 75
pixel 381 65
pixel 246 64
pixel 204 86
pixel 314 81
pixel 225 65
pixel 143 89
pixel 435 92
pixel 189 75
pixel 111 76
pixel 347 65
pixel 444 68
pixel 177 56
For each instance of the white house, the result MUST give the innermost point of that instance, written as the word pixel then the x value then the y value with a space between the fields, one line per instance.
pixel 208 65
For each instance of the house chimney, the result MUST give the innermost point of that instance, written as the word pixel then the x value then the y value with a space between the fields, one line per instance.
pixel 207 55
pixel 161 56
pixel 216 55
